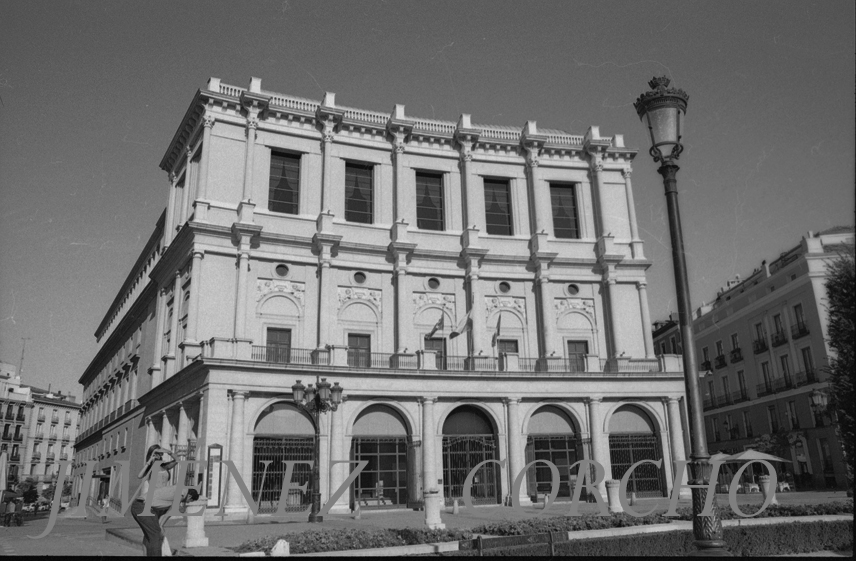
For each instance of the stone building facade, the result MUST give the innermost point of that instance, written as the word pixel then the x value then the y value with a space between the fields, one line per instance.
pixel 762 346
pixel 305 240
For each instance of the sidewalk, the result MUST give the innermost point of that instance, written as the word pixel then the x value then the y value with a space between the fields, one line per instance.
pixel 223 535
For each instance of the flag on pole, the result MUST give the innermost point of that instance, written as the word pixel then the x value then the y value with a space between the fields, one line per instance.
pixel 437 326
pixel 496 335
pixel 463 326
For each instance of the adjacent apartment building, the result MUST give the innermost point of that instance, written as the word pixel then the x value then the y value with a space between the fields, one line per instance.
pixel 763 347
pixel 307 241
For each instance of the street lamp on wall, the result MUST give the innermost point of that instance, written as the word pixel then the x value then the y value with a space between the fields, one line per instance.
pixel 662 111
pixel 316 400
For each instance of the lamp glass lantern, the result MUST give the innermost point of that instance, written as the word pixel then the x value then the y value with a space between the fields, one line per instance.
pixel 819 399
pixel 663 112
pixel 336 392
pixel 298 392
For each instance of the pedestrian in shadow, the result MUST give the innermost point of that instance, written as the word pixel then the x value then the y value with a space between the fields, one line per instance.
pixel 150 524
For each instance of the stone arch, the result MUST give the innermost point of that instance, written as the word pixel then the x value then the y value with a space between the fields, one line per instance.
pixel 653 415
pixel 575 422
pixel 635 433
pixel 405 416
pixel 269 406
pixel 423 318
pixel 568 315
pixel 494 422
pixel 344 312
pixel 270 300
pixel 494 317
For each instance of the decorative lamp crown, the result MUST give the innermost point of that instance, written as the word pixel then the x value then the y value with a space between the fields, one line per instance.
pixel 663 111
pixel 324 390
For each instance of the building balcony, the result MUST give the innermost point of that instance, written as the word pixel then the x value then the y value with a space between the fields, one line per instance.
pixel 37 456
pixel 20 417
pixel 431 361
pixel 709 403
pixel 720 362
pixel 10 415
pixel 807 377
pixel 764 388
pixel 65 439
pixel 39 436
pixel 18 437
pixel 54 419
pixel 15 458
pixel 67 422
pixel 734 433
pixel 52 437
pixel 63 457
pixel 779 338
pixel 723 400
pixel 739 396
pixel 50 457
pixel 759 346
pixel 41 417
pixel 705 365
pixel 799 329
pixel 736 355
pixel 749 432
pixel 7 436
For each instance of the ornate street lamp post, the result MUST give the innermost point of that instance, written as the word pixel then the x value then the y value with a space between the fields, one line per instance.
pixel 662 111
pixel 317 400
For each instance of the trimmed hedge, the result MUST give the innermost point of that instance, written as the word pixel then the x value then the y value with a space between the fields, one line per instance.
pixel 776 511
pixel 568 524
pixel 775 539
pixel 315 541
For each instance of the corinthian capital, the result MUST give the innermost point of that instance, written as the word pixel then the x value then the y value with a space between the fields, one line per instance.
pixel 208 121
pixel 596 164
pixel 532 150
pixel 252 122
pixel 625 173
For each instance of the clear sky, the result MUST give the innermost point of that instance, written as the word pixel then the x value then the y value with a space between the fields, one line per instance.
pixel 92 92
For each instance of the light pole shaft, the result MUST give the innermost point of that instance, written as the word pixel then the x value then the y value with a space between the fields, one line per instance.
pixel 316 472
pixel 698 441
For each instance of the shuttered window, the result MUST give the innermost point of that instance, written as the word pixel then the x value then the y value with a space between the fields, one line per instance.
pixel 497 204
pixel 358 193
pixel 284 189
pixel 429 201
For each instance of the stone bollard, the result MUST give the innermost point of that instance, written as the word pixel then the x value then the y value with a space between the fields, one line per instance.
pixel 433 503
pixel 195 536
pixel 767 488
pixel 358 513
pixel 456 508
pixel 546 501
pixel 281 549
pixel 612 495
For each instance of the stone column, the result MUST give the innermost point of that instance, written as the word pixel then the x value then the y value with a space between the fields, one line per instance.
pixel 166 431
pixel 548 314
pixel 516 459
pixel 182 425
pixel 543 212
pixel 185 193
pixel 597 186
pixel 401 199
pixel 599 441
pixel 195 289
pixel 429 437
pixel 156 369
pixel 676 434
pixel 235 500
pixel 326 288
pixel 202 193
pixel 403 317
pixel 635 241
pixel 173 340
pixel 241 296
pixel 477 309
pixel 474 193
pixel 327 136
pixel 614 317
pixel 252 125
pixel 151 433
pixel 168 228
pixel 337 452
pixel 641 288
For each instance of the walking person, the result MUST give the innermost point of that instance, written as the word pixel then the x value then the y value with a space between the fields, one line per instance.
pixel 105 504
pixel 3 506
pixel 10 513
pixel 152 530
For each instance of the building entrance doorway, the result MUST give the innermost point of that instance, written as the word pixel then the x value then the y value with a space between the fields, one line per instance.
pixel 632 437
pixel 282 433
pixel 552 437
pixel 469 439
pixel 381 439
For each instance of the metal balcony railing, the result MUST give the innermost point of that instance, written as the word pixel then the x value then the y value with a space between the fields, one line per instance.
pixel 10 415
pixel 15 458
pixel 720 362
pixel 736 355
pixel 705 365
pixel 50 457
pixel 709 403
pixel 18 437
pixel 63 457
pixel 67 421
pixel 759 346
pixel 779 338
pixel 52 437
pixel 7 436
pixel 37 456
pixel 283 354
pixel 764 388
pixel 39 436
pixel 807 377
pixel 739 395
pixel 54 419
pixel 20 417
pixel 799 329
pixel 41 417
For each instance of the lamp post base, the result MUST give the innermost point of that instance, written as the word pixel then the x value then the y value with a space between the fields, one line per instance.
pixel 706 529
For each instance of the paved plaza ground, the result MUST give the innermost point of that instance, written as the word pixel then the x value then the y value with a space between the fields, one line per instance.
pixel 87 537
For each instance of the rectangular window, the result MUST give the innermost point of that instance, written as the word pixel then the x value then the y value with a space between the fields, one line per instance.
pixel 506 346
pixel 497 207
pixel 284 186
pixel 771 418
pixel 565 220
pixel 777 323
pixel 768 378
pixel 798 314
pixel 278 347
pixel 725 389
pixel 747 424
pixel 674 345
pixel 792 415
pixel 359 198
pixel 808 361
pixel 577 351
pixel 705 354
pixel 710 389
pixel 786 369
pixel 735 341
pixel 429 202
pixel 662 347
pixel 359 350
pixel 438 345
pixel 741 381
pixel 759 332
pixel 719 351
